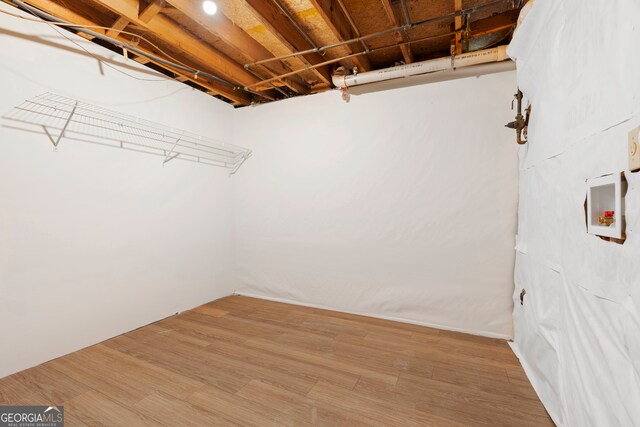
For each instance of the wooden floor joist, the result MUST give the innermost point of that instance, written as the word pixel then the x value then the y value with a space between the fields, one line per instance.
pixel 339 23
pixel 172 34
pixel 280 26
pixel 52 7
pixel 120 24
pixel 250 362
pixel 257 31
pixel 234 36
pixel 401 37
pixel 148 12
pixel 457 38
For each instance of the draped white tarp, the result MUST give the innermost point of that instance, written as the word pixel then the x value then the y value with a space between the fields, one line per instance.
pixel 400 204
pixel 578 331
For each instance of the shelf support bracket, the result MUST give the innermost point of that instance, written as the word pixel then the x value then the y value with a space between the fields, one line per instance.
pixel 235 169
pixel 169 157
pixel 64 128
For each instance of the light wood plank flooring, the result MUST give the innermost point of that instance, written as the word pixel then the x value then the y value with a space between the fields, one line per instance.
pixel 250 362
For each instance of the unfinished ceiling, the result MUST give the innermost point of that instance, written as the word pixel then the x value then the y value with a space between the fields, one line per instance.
pixel 250 50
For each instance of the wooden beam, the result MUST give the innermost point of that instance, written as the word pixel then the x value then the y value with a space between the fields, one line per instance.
pixel 56 9
pixel 340 24
pixel 120 24
pixel 143 60
pixel 238 98
pixel 148 13
pixel 401 37
pixel 494 23
pixel 222 27
pixel 457 40
pixel 280 26
pixel 174 35
pixel 53 8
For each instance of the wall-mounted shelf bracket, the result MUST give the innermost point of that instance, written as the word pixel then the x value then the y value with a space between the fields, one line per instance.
pixel 169 155
pixel 244 158
pixel 80 121
pixel 64 128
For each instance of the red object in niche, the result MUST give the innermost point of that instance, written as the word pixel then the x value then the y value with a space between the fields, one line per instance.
pixel 609 214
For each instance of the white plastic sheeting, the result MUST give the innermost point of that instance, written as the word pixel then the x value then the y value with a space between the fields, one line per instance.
pixel 578 332
pixel 400 204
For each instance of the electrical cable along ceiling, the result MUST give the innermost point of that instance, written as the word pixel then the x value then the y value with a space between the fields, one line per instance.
pixel 256 51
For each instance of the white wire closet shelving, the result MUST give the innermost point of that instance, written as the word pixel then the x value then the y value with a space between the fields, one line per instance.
pixel 59 117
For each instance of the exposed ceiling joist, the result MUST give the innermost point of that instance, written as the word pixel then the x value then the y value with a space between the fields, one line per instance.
pixel 234 36
pixel 457 39
pixel 53 8
pixel 146 14
pixel 173 35
pixel 340 24
pixel 144 61
pixel 498 22
pixel 220 45
pixel 119 25
pixel 401 37
pixel 280 26
pixel 212 88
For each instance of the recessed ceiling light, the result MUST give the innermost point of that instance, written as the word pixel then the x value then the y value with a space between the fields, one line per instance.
pixel 210 8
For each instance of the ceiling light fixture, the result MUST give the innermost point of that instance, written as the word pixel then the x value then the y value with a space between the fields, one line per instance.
pixel 209 7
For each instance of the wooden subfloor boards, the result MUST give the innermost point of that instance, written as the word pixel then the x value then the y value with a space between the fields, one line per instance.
pixel 250 362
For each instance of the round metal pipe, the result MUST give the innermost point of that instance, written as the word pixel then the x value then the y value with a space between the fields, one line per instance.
pixel 352 23
pixel 405 12
pixel 380 33
pixel 304 34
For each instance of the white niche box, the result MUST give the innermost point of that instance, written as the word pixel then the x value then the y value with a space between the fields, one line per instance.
pixel 605 193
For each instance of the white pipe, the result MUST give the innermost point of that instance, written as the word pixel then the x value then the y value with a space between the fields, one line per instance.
pixel 464 60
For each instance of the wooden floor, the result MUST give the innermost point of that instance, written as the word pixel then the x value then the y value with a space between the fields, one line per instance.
pixel 244 361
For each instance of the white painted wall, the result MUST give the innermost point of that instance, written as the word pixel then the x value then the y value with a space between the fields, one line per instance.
pixel 97 241
pixel 400 204
pixel 578 331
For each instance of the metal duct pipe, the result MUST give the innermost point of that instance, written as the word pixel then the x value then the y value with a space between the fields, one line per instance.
pixel 464 60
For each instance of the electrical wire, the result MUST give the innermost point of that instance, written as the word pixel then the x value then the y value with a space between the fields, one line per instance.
pixel 97 58
pixel 178 66
pixel 82 28
pixel 186 68
pixel 99 27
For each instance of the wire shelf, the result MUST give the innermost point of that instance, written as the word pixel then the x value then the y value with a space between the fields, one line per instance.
pixel 60 117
